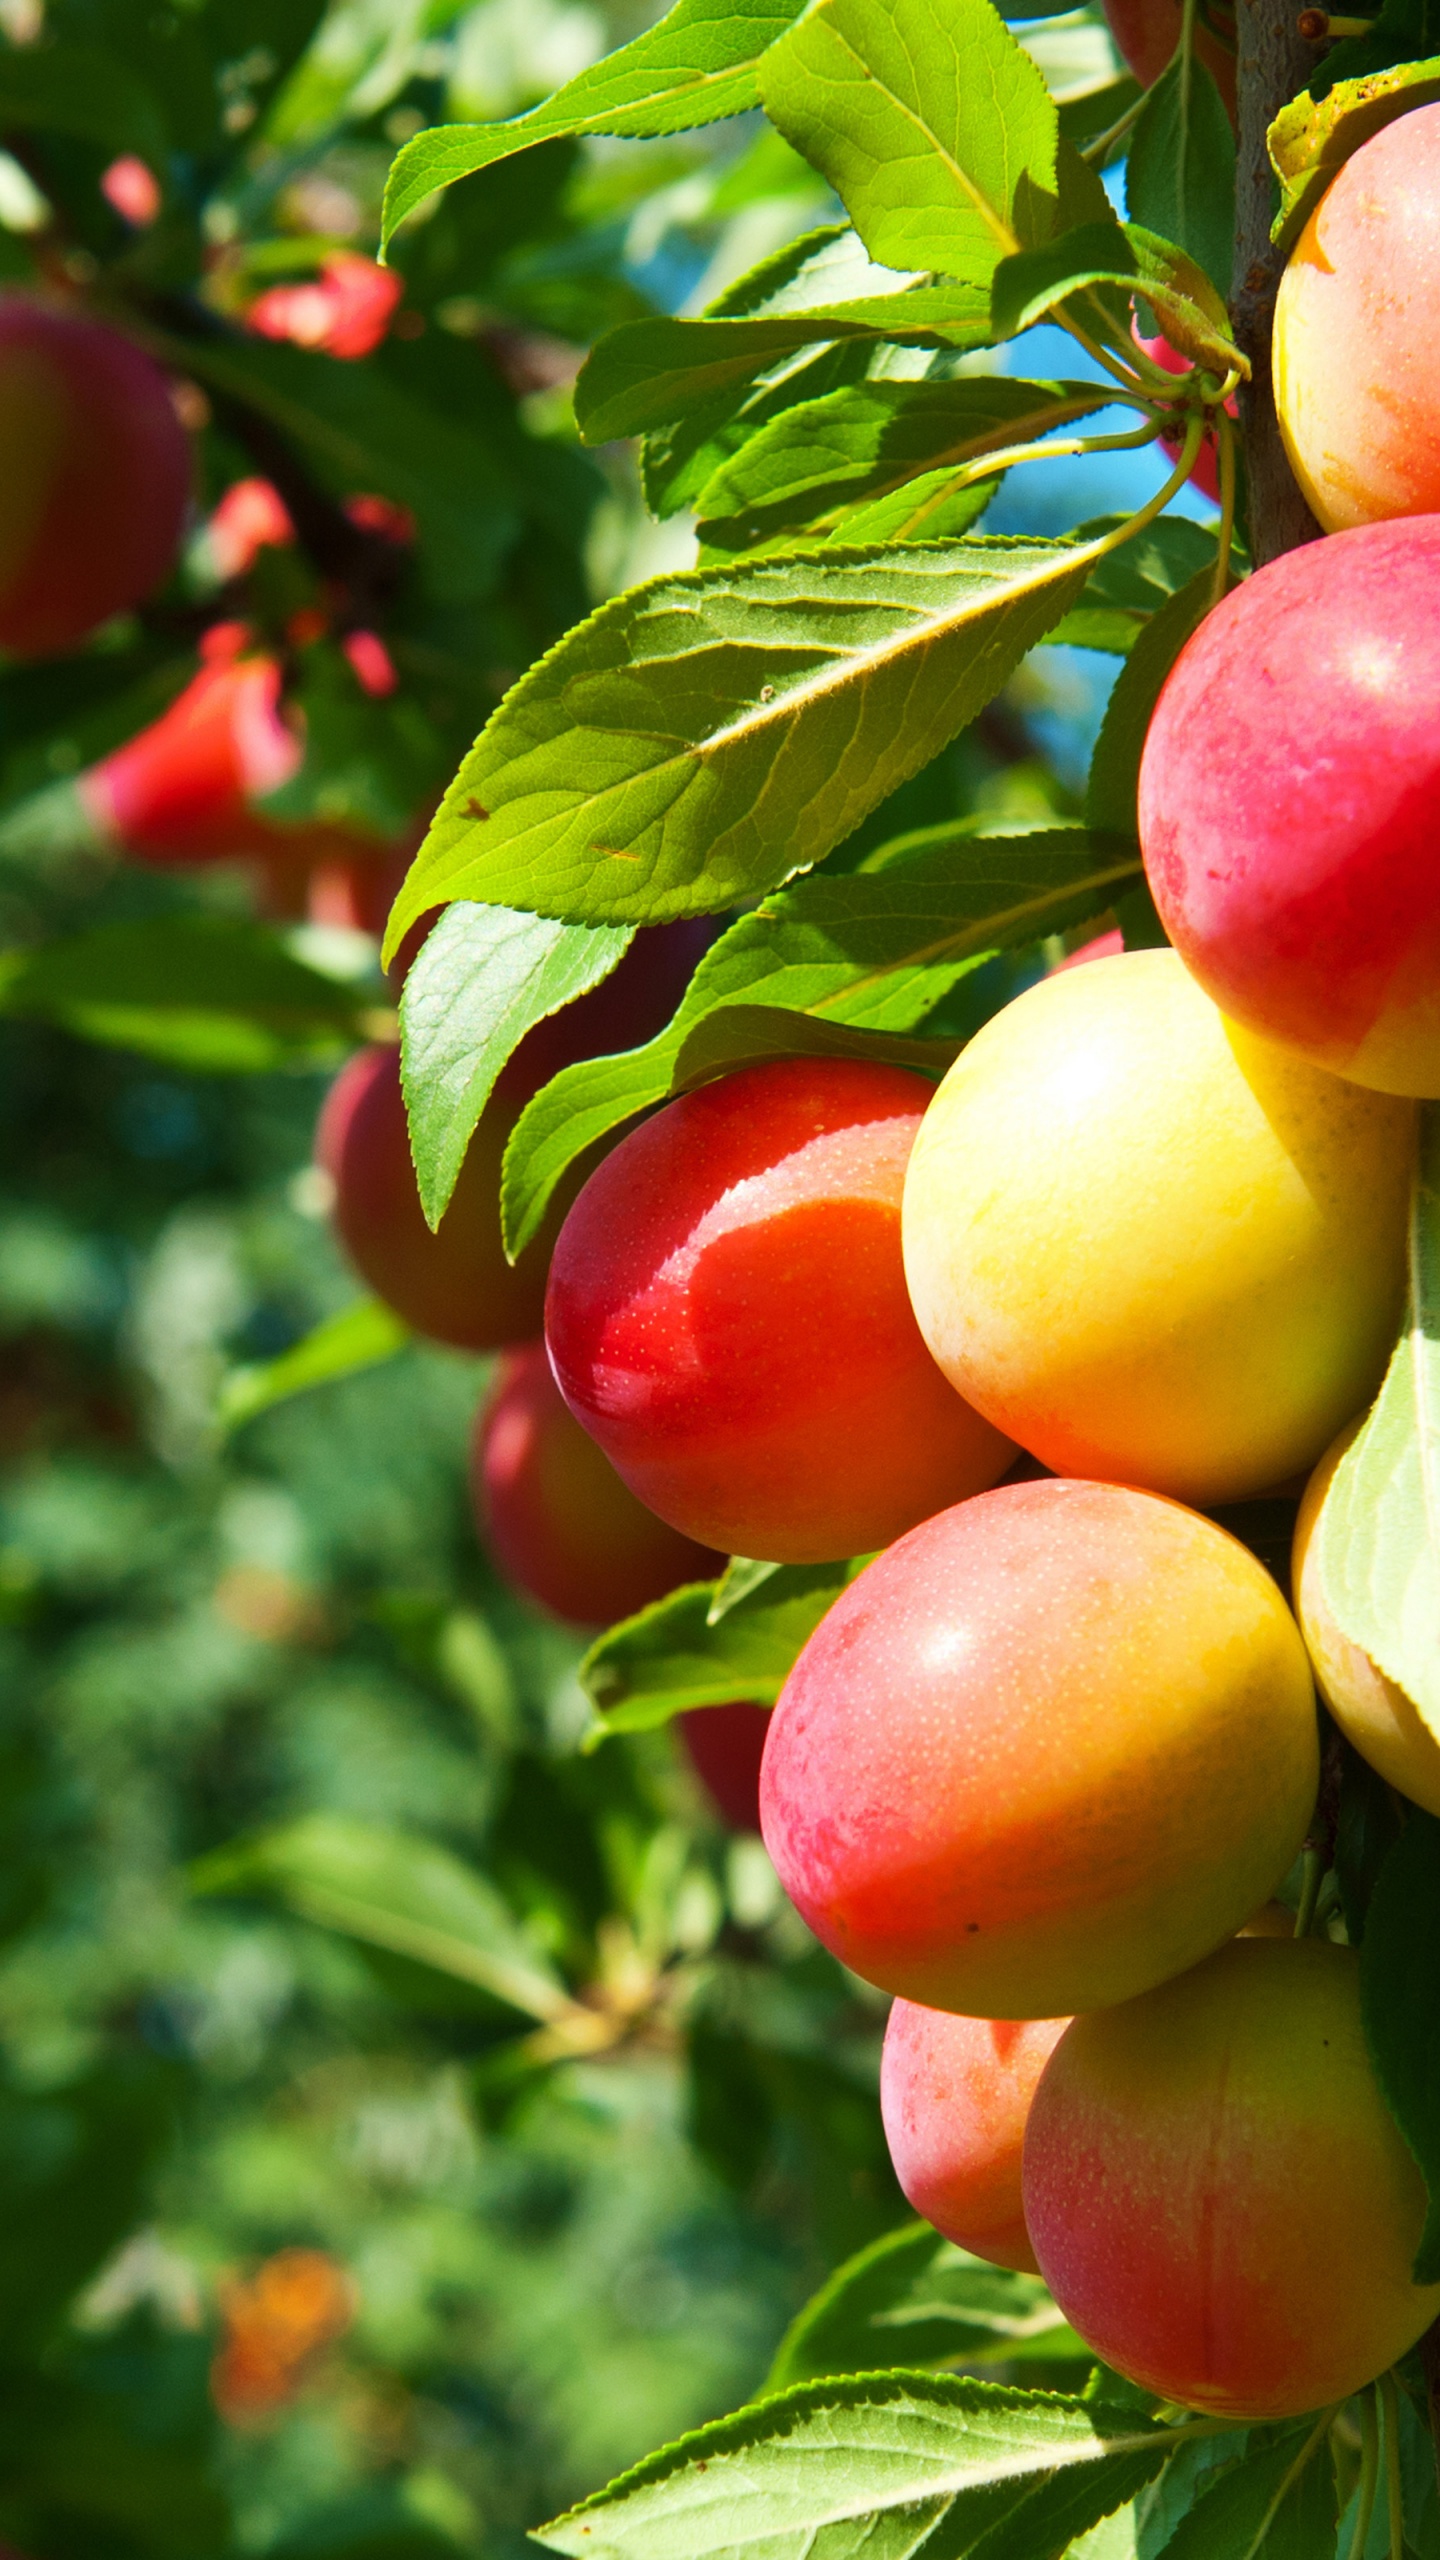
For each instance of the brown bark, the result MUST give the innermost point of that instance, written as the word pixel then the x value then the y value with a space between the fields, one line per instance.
pixel 1273 62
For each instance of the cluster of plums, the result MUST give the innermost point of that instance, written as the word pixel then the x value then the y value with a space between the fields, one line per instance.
pixel 1139 1258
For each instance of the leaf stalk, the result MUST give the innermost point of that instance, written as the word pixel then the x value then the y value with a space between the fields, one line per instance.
pixel 1369 2476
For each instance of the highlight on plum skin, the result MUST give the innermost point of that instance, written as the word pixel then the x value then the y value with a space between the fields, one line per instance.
pixel 727 1315
pixel 989 1766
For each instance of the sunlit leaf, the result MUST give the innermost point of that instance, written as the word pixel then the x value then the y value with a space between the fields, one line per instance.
pixel 816 463
pixel 914 2299
pixel 702 738
pixel 696 66
pixel 875 2467
pixel 875 949
pixel 743 1035
pixel 1100 268
pixel 676 1655
pixel 651 372
pixel 1312 138
pixel 933 126
pixel 483 978
pixel 1132 584
pixel 1180 168
pixel 1278 2503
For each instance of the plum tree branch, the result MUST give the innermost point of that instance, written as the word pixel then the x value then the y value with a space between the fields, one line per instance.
pixel 1272 63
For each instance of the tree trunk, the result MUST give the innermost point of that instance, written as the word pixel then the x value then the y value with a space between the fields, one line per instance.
pixel 1273 62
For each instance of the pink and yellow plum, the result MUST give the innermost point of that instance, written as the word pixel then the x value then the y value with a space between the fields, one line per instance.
pixel 1355 386
pixel 1218 2196
pixel 954 2097
pixel 1051 1748
pixel 1287 792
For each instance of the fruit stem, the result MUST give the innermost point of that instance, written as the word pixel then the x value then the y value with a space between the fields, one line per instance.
pixel 1126 532
pixel 1124 372
pixel 1312 1876
pixel 1394 2494
pixel 1369 2475
pixel 1044 449
pixel 1225 437
pixel 1095 151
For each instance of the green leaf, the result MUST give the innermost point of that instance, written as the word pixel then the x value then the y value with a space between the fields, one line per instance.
pixel 695 67
pixel 1180 172
pixel 1130 585
pixel 202 992
pixel 742 1575
pixel 1404 32
pixel 876 2466
pixel 1277 2504
pixel 814 464
pixel 822 268
pixel 1113 2538
pixel 1312 138
pixel 876 949
pixel 483 977
pixel 1110 800
pixel 742 1035
pixel 394 1890
pixel 1103 266
pixel 1378 1535
pixel 1093 111
pixel 82 90
pixel 913 2299
pixel 1370 1821
pixel 359 1337
pixel 700 739
pixel 933 126
pixel 649 373
pixel 1400 1997
pixel 671 1657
